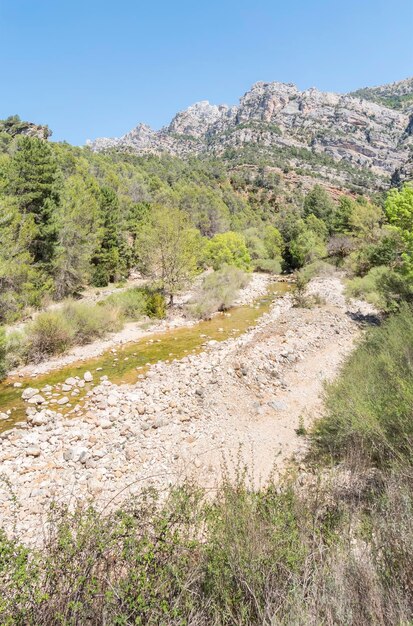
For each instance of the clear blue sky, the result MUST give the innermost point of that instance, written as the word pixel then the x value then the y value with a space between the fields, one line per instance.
pixel 92 68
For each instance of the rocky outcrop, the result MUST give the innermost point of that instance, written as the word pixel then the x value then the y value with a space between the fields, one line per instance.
pixel 310 129
pixel 13 126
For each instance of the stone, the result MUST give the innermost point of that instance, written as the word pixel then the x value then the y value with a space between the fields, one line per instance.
pixel 71 381
pixel 63 400
pixel 87 377
pixel 112 400
pixel 17 384
pixel 4 416
pixel 66 387
pixel 29 392
pixel 36 399
pixel 39 419
pixel 33 451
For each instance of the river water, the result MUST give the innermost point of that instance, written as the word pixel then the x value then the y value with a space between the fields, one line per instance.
pixel 129 362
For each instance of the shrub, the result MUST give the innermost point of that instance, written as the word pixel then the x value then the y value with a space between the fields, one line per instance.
pixel 155 305
pixel 3 351
pixel 279 555
pixel 139 301
pixel 16 348
pixel 271 266
pixel 368 287
pixel 218 291
pixel 369 408
pixel 131 302
pixel 89 321
pixel 49 334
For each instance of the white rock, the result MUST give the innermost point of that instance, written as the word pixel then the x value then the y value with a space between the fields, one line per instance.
pixel 63 400
pixel 36 399
pixel 87 377
pixel 29 393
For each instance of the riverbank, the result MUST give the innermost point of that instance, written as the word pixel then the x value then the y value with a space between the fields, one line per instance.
pixel 183 418
pixel 134 331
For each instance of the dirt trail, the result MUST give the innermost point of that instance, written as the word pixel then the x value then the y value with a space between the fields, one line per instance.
pixel 184 417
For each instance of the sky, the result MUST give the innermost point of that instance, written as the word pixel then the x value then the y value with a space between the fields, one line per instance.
pixel 93 68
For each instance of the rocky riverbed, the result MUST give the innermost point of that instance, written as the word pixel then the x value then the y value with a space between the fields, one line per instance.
pixel 181 418
pixel 133 331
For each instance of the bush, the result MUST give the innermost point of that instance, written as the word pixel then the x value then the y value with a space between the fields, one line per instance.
pixel 139 301
pixel 16 348
pixel 280 555
pixel 369 408
pixel 218 291
pixel 131 302
pixel 49 334
pixel 89 321
pixel 3 352
pixel 155 305
pixel 368 287
pixel 271 266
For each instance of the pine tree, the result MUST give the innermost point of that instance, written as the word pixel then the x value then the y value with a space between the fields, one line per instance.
pixel 33 178
pixel 79 233
pixel 111 259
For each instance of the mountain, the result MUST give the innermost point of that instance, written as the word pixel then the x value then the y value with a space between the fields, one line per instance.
pixel 397 95
pixel 345 139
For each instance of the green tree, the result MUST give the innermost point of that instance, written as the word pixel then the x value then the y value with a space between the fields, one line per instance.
pixel 306 247
pixel 169 249
pixel 228 249
pixel 319 203
pixel 111 259
pixel 365 220
pixel 33 183
pixel 399 210
pixel 79 232
pixel 273 242
pixel 21 282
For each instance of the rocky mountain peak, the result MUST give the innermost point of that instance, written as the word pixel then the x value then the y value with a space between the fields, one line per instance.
pixel 197 118
pixel 311 130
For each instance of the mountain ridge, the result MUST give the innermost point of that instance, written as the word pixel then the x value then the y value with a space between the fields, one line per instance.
pixel 344 128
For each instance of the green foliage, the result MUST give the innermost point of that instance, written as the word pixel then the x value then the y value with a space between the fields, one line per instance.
pixel 3 353
pixel 22 283
pixel 369 406
pixel 306 248
pixel 110 260
pixel 399 210
pixel 218 291
pixel 138 301
pixel 50 333
pixel 78 225
pixel 369 287
pixel 318 203
pixel 270 266
pixel 169 249
pixel 228 249
pixel 33 183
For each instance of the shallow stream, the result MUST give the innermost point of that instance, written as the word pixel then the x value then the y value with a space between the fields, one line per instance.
pixel 124 364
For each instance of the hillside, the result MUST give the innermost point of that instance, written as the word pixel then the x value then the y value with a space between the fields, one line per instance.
pixel 343 139
pixel 397 95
